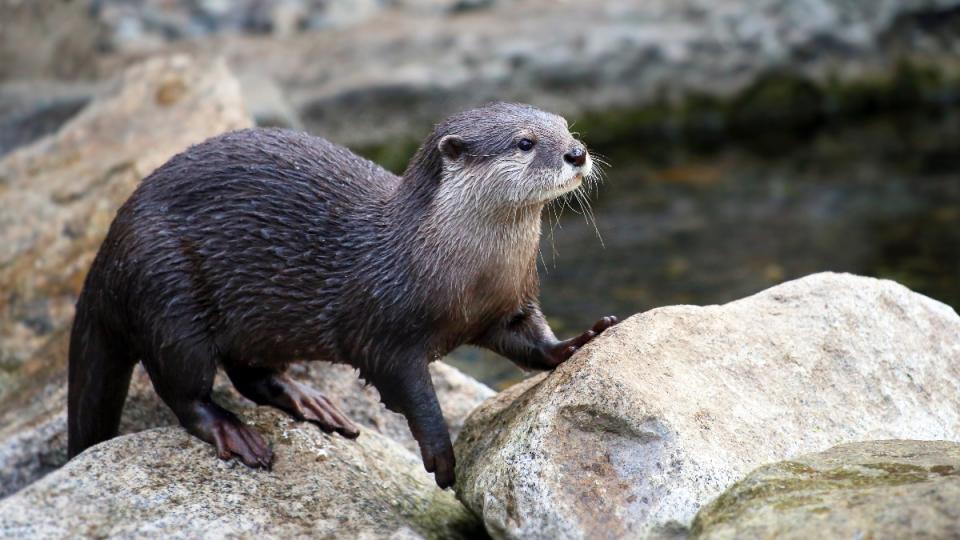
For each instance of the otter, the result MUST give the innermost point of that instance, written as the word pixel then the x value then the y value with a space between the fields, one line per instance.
pixel 261 247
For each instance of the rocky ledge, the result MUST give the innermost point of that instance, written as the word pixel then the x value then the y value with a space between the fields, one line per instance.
pixel 379 73
pixel 649 432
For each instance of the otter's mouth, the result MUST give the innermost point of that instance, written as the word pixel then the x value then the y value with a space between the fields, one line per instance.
pixel 566 187
pixel 571 181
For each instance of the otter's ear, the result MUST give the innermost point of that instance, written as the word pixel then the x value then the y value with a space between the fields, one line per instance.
pixel 451 146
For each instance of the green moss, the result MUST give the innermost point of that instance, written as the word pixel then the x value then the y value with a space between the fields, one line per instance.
pixel 908 85
pixel 898 468
pixel 777 102
pixel 794 467
pixel 790 485
pixel 789 503
pixel 777 105
pixel 445 517
pixel 944 470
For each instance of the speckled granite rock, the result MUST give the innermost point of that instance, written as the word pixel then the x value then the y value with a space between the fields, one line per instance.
pixel 669 408
pixel 879 490
pixel 163 483
pixel 33 438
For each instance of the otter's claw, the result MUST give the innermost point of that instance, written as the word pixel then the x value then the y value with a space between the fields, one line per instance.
pixel 296 399
pixel 603 324
pixel 565 349
pixel 305 403
pixel 309 404
pixel 240 441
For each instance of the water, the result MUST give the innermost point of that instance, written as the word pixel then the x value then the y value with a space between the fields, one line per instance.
pixel 686 225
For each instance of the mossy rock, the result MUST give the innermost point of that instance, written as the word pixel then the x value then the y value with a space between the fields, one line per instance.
pixel 878 489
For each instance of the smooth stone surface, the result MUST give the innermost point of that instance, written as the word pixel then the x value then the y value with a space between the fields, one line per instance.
pixel 163 482
pixel 879 490
pixel 669 408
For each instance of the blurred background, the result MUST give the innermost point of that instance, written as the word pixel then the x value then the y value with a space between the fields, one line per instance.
pixel 749 141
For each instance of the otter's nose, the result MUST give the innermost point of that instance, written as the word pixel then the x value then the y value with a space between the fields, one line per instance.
pixel 577 156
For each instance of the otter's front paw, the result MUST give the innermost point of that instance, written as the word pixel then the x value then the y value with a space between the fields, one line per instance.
pixel 440 462
pixel 565 349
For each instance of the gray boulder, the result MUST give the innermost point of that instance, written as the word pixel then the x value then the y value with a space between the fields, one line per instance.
pixel 163 482
pixel 878 489
pixel 669 408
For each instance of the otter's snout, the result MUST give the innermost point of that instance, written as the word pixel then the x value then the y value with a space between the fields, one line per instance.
pixel 576 156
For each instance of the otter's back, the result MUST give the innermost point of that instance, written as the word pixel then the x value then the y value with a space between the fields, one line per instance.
pixel 258 163
pixel 244 227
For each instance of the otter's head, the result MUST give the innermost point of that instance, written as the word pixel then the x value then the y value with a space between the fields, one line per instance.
pixel 504 156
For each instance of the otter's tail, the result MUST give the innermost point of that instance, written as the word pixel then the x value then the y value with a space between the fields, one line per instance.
pixel 99 377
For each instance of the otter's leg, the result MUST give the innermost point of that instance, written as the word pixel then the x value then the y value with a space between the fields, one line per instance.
pixel 182 374
pixel 408 390
pixel 526 339
pixel 266 386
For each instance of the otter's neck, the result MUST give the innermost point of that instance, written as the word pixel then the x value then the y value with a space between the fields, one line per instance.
pixel 457 239
pixel 507 239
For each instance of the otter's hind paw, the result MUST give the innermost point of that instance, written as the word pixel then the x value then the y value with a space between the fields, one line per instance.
pixel 311 405
pixel 230 436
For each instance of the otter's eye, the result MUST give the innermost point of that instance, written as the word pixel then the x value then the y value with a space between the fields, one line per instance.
pixel 525 144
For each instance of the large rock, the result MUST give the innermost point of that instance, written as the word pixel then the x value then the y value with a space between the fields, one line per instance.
pixel 879 489
pixel 163 483
pixel 57 199
pixel 669 408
